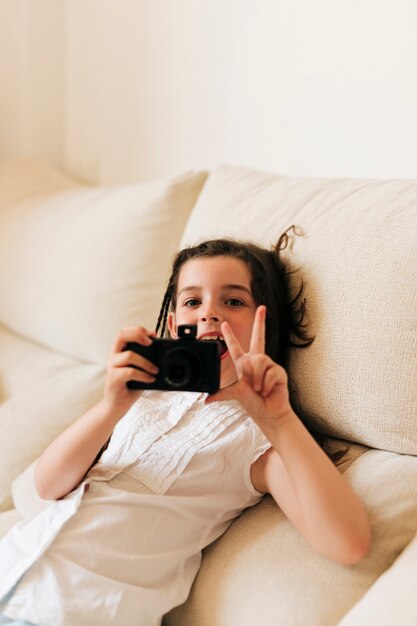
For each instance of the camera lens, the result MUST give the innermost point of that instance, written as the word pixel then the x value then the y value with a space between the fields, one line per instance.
pixel 181 368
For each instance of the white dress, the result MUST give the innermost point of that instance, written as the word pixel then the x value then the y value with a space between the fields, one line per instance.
pixel 124 547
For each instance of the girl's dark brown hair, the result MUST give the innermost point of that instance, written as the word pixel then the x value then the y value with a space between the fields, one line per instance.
pixel 286 320
pixel 286 323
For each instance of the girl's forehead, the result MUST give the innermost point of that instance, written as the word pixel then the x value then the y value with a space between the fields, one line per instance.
pixel 222 269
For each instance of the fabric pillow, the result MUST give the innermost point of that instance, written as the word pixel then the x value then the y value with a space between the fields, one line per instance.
pixel 7 520
pixel 262 571
pixel 77 263
pixel 358 261
pixel 392 599
pixel 25 496
pixel 41 393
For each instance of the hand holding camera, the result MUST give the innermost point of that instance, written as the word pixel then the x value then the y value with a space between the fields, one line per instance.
pixel 139 360
pixel 123 366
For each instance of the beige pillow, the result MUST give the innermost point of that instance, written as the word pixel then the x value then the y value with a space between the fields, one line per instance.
pixel 41 393
pixel 7 520
pixel 77 263
pixel 262 571
pixel 25 496
pixel 392 599
pixel 358 259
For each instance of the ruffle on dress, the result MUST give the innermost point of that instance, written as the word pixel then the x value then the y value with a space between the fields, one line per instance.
pixel 155 441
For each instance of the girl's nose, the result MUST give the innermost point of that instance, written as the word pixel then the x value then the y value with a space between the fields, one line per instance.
pixel 206 318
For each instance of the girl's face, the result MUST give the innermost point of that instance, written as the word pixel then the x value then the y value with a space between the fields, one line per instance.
pixel 212 290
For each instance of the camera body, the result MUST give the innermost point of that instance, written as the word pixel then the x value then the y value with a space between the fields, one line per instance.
pixel 185 364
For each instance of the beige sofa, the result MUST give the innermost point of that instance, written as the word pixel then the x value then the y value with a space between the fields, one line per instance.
pixel 79 262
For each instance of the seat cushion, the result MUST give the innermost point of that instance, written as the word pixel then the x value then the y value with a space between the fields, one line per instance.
pixel 358 261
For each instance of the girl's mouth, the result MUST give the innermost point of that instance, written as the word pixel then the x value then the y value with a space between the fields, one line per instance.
pixel 223 347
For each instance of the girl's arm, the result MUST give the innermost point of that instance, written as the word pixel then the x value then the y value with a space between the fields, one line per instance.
pixel 68 458
pixel 312 493
pixel 296 471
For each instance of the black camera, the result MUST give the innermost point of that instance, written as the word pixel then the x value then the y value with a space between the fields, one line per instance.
pixel 185 364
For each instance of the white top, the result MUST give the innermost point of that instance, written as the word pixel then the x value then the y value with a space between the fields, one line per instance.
pixel 125 546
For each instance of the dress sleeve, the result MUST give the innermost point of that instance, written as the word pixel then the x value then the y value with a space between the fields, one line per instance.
pixel 257 446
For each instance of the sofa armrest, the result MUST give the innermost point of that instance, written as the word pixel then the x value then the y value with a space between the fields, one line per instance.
pixel 392 598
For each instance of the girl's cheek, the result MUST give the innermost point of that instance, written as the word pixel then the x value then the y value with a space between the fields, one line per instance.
pixel 187 316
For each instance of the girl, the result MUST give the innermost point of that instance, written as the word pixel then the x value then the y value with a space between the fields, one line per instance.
pixel 143 481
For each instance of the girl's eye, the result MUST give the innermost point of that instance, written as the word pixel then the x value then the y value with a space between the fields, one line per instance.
pixel 191 302
pixel 234 302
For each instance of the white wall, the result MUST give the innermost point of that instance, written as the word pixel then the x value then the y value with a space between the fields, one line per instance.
pixel 32 80
pixel 118 90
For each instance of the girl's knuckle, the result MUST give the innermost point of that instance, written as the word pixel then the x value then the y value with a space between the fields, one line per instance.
pixel 114 362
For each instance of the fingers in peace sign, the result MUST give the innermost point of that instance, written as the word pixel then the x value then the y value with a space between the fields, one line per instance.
pixel 261 385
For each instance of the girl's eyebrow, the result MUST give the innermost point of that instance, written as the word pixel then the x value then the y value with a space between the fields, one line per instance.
pixel 223 287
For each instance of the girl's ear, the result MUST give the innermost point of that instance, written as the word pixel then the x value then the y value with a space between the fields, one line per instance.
pixel 172 325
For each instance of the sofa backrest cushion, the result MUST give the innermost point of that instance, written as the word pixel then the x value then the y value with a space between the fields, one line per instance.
pixel 357 258
pixel 78 263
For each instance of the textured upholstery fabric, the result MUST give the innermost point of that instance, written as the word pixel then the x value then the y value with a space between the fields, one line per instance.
pixel 7 520
pixel 392 599
pixel 358 260
pixel 24 494
pixel 41 392
pixel 98 257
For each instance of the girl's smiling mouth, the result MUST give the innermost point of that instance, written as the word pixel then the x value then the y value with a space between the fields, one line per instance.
pixel 213 336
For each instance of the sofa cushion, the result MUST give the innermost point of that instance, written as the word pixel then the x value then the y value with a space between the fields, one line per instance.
pixel 77 263
pixel 7 520
pixel 262 571
pixel 358 260
pixel 392 598
pixel 25 497
pixel 41 393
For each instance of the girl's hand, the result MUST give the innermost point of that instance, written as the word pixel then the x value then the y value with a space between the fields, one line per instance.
pixel 262 385
pixel 122 368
